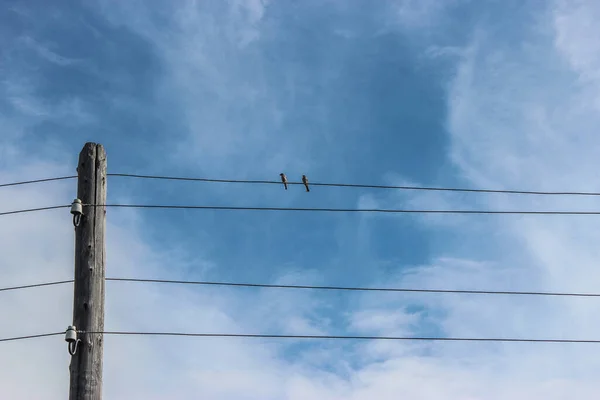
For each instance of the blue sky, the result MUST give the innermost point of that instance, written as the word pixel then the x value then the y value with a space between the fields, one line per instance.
pixel 500 94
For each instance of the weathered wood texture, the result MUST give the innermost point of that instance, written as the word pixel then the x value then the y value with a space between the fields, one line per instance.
pixel 88 306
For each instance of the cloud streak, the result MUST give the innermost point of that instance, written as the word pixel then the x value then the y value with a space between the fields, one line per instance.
pixel 518 117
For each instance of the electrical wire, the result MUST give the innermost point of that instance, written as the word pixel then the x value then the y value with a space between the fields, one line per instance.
pixel 35 285
pixel 314 337
pixel 32 210
pixel 11 339
pixel 359 289
pixel 317 337
pixel 178 178
pixel 60 178
pixel 325 184
pixel 365 186
pixel 347 210
pixel 316 287
pixel 337 337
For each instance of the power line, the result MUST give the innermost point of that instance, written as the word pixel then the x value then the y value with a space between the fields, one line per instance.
pixel 28 210
pixel 35 285
pixel 177 178
pixel 325 184
pixel 365 289
pixel 316 287
pixel 336 337
pixel 10 339
pixel 60 178
pixel 365 186
pixel 347 210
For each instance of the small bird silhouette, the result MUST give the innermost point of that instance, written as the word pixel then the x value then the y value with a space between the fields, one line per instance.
pixel 305 181
pixel 284 180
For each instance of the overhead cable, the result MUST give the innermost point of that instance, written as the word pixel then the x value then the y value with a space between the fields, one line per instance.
pixel 362 289
pixel 364 186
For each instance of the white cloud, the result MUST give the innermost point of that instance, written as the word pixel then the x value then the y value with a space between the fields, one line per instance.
pixel 45 53
pixel 517 120
pixel 420 18
pixel 218 80
pixel 38 247
pixel 20 92
pixel 576 33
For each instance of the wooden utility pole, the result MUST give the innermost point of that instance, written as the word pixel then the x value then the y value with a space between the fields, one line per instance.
pixel 88 306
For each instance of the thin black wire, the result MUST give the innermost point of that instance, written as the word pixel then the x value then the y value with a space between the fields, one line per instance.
pixel 60 178
pixel 335 337
pixel 177 178
pixel 357 210
pixel 35 285
pixel 313 287
pixel 363 210
pixel 349 185
pixel 10 339
pixel 362 289
pixel 33 210
pixel 365 186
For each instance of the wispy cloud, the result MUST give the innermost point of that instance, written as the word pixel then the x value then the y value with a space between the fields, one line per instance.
pixel 216 77
pixel 518 117
pixel 45 53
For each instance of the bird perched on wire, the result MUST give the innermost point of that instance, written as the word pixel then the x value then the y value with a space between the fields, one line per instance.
pixel 305 181
pixel 284 180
